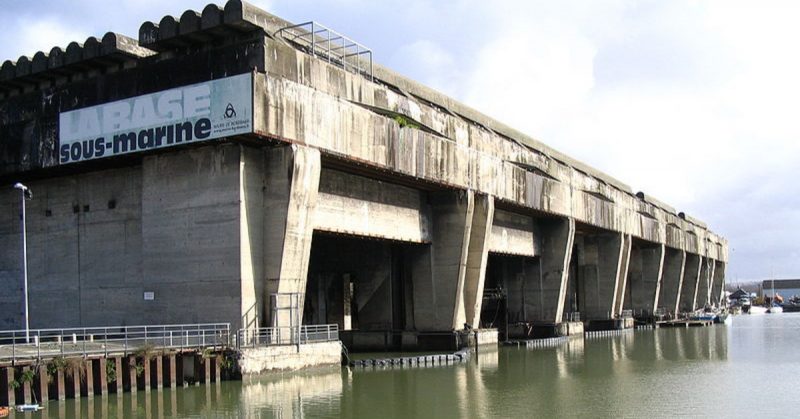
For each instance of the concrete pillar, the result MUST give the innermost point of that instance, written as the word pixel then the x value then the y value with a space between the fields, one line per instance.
pixel 644 279
pixel 439 270
pixel 718 287
pixel 691 275
pixel 76 384
pixel 292 186
pixel 602 266
pixel 671 280
pixel 477 255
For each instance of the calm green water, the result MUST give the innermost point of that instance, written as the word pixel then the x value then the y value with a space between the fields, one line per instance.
pixel 750 368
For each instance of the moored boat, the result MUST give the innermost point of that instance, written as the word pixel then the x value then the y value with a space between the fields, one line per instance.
pixel 757 310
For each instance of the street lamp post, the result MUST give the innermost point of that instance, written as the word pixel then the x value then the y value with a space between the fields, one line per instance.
pixel 25 193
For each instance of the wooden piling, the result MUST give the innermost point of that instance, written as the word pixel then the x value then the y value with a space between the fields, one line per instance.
pixel 44 393
pixel 120 372
pixel 173 373
pixel 160 372
pixel 12 398
pixel 103 378
pixel 207 370
pixel 61 388
pixel 89 379
pixel 26 386
pixel 218 368
pixel 132 373
pixel 146 374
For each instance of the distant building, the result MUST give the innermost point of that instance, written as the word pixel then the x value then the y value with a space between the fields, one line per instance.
pixel 786 288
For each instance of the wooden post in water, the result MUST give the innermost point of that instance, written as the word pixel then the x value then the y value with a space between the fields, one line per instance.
pixel 61 388
pixel 160 371
pixel 173 373
pixel 26 386
pixel 89 379
pixel 103 367
pixel 146 374
pixel 120 372
pixel 218 368
pixel 12 399
pixel 132 373
pixel 207 370
pixel 43 378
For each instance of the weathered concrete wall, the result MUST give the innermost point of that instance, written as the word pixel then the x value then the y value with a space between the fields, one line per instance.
pixel 367 207
pixel 603 263
pixel 514 234
pixel 644 279
pixel 84 258
pixel 191 244
pixel 287 357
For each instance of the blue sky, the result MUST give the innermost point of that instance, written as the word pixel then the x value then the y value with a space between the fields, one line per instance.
pixel 693 102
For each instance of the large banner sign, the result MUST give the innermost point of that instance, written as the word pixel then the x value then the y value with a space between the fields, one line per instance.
pixel 199 112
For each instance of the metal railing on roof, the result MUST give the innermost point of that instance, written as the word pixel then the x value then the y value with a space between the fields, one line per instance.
pixel 85 341
pixel 337 49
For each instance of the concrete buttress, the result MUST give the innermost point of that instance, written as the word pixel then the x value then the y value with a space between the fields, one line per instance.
pixel 477 255
pixel 558 237
pixel 718 287
pixel 292 186
pixel 672 278
pixel 691 274
pixel 439 270
pixel 603 262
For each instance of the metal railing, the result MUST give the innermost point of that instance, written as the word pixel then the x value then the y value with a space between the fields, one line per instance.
pixel 50 343
pixel 271 336
pixel 574 316
pixel 330 45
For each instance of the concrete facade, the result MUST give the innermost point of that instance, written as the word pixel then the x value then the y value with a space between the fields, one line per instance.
pixel 444 200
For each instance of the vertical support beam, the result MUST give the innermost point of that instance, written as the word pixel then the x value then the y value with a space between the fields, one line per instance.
pixel 12 399
pixel 292 187
pixel 26 386
pixel 482 217
pixel 119 381
pixel 439 270
pixel 61 387
pixel 550 289
pixel 132 373
pixel 207 370
pixel 160 371
pixel 90 373
pixel 103 376
pixel 691 275
pixel 76 383
pixel 44 394
pixel 146 373
pixel 644 277
pixel 218 368
pixel 173 373
pixel 603 260
pixel 672 278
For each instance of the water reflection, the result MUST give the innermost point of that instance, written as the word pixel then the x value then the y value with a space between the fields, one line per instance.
pixel 641 373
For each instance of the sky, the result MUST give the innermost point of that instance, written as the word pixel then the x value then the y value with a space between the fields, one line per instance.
pixel 692 102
